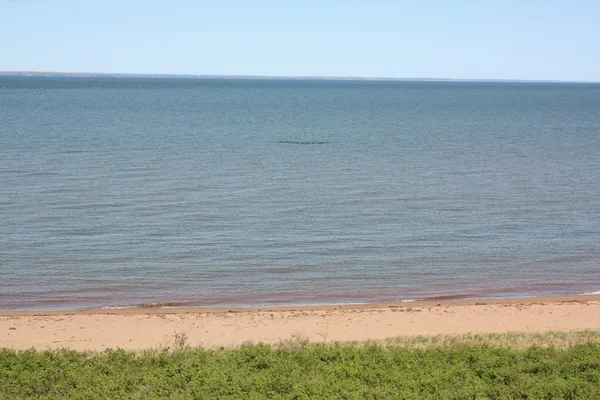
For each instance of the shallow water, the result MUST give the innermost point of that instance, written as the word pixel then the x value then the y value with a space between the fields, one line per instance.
pixel 258 192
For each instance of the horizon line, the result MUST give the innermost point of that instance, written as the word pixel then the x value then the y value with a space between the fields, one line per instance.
pixel 274 77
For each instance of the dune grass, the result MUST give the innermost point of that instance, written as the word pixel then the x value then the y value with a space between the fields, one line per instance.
pixel 504 340
pixel 508 366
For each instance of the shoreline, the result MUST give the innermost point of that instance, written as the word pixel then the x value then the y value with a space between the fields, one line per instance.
pixel 167 308
pixel 13 302
pixel 147 328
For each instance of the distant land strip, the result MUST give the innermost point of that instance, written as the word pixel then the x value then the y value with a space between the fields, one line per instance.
pixel 268 77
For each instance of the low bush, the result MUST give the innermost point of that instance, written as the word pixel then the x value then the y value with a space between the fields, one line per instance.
pixel 307 371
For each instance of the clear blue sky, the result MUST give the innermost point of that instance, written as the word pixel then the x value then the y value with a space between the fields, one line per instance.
pixel 477 39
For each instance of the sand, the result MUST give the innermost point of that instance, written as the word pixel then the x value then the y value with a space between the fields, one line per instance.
pixel 152 328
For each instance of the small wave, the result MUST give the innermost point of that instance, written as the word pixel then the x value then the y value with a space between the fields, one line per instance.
pixel 148 305
pixel 458 296
pixel 301 142
pixel 591 293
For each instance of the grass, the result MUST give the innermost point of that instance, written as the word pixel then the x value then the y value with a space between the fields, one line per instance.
pixel 509 366
pixel 505 340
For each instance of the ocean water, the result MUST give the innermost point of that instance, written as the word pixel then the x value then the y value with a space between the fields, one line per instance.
pixel 232 192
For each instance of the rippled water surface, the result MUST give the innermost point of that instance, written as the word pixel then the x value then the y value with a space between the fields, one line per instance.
pixel 252 192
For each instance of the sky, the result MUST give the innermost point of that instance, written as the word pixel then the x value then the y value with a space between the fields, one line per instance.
pixel 468 39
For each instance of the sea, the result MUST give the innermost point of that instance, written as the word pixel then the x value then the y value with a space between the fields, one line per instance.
pixel 223 192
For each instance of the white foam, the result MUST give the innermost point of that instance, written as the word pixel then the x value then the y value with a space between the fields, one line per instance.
pixel 136 306
pixel 591 293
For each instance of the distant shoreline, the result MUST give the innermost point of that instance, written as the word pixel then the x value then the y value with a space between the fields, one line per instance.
pixel 268 77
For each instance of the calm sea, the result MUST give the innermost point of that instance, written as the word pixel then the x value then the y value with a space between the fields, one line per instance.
pixel 231 192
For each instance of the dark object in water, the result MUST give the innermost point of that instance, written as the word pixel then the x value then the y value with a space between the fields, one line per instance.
pixel 297 142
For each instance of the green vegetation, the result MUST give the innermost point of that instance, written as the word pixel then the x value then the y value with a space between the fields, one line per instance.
pixel 549 366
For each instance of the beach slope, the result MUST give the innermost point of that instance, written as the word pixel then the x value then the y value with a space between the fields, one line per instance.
pixel 144 328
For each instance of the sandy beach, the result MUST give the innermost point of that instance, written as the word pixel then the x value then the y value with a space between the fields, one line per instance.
pixel 143 328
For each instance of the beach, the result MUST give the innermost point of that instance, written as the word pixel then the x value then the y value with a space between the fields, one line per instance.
pixel 146 328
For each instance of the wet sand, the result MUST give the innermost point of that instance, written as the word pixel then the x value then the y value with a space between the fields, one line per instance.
pixel 143 328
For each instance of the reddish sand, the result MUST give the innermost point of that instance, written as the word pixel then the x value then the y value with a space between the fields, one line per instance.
pixel 152 328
